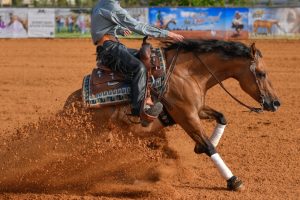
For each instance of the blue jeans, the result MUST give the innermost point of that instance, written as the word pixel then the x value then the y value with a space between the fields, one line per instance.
pixel 119 58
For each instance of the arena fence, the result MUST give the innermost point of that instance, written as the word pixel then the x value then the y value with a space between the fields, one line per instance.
pixel 194 22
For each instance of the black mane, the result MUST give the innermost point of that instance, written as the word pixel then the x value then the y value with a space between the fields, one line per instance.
pixel 228 48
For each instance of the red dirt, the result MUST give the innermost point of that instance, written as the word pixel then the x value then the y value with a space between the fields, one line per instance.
pixel 45 156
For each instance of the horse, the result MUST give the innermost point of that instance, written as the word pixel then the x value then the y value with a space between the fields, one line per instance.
pixel 268 24
pixel 195 67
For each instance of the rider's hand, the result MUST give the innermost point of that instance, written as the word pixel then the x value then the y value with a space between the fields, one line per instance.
pixel 175 36
pixel 127 32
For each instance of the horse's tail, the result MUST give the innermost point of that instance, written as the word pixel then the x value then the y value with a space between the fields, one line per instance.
pixel 75 97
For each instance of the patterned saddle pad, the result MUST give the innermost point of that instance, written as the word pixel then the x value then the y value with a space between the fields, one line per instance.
pixel 104 87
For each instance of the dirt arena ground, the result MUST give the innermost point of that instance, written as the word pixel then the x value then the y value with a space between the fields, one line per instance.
pixel 45 157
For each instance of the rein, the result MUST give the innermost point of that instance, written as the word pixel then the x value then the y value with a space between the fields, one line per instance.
pixel 170 71
pixel 253 66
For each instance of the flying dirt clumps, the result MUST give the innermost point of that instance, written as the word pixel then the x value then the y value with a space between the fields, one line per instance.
pixel 71 152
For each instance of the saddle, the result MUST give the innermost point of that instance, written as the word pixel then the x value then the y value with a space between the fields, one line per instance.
pixel 104 87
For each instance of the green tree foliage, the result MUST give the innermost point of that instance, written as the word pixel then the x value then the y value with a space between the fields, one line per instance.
pixel 85 3
pixel 78 3
pixel 270 3
pixel 16 3
pixel 206 3
pixel 187 3
pixel 212 3
pixel 166 2
pixel 242 2
pixel 62 3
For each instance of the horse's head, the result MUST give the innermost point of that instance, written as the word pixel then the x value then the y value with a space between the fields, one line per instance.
pixel 255 81
pixel 173 21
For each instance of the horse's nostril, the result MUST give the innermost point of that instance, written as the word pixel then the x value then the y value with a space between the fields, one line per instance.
pixel 276 103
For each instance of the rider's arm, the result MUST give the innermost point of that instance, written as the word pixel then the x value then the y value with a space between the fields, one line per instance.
pixel 121 17
pixel 139 27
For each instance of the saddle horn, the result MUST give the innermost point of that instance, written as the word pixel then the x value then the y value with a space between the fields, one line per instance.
pixel 145 40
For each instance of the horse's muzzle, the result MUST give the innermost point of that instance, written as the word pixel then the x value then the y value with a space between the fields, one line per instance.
pixel 271 105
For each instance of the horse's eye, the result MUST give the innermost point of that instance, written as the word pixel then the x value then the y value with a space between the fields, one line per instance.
pixel 261 74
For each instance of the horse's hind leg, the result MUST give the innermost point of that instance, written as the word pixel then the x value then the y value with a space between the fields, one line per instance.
pixel 209 113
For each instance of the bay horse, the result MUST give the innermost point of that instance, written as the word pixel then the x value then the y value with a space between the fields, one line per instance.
pixel 200 65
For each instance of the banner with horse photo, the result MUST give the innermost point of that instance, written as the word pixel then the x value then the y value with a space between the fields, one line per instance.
pixel 190 22
pixel 274 22
pixel 13 23
pixel 72 23
pixel 41 23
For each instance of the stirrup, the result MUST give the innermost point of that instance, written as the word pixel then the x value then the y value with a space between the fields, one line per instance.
pixel 149 115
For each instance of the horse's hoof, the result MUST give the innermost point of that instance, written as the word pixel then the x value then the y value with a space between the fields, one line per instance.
pixel 199 149
pixel 235 184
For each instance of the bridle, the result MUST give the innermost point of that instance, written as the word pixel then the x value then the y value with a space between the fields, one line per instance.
pixel 258 83
pixel 252 67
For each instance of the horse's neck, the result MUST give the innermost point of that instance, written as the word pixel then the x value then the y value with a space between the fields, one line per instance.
pixel 219 73
pixel 166 25
pixel 221 68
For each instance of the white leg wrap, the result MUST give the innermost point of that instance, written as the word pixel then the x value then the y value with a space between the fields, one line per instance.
pixel 223 169
pixel 217 134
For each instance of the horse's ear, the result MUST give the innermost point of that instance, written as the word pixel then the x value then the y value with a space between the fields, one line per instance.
pixel 253 49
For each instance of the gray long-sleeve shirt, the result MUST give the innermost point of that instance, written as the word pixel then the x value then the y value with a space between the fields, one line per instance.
pixel 108 17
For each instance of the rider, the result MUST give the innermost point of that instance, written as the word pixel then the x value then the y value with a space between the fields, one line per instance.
pixel 237 23
pixel 159 19
pixel 108 19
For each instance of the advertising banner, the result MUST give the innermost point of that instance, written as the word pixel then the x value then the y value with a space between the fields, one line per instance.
pixel 191 22
pixel 13 23
pixel 72 22
pixel 274 22
pixel 41 23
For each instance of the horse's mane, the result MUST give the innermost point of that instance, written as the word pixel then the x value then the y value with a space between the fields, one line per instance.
pixel 228 48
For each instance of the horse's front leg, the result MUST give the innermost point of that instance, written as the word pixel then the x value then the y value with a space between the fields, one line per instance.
pixel 208 113
pixel 190 122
